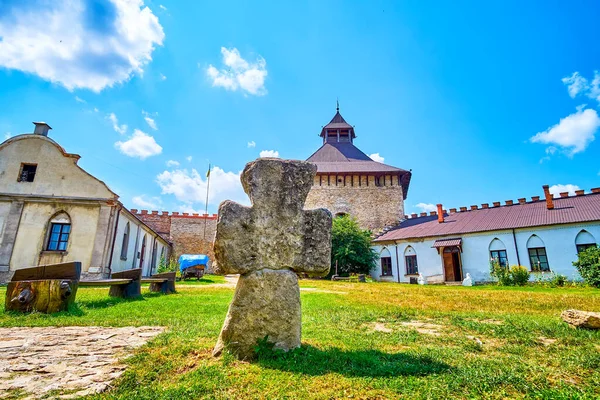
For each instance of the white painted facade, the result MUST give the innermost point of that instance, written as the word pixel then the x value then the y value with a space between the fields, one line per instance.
pixel 559 242
pixel 63 193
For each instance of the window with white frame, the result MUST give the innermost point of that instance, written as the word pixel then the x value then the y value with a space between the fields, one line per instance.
pixel 410 260
pixel 538 259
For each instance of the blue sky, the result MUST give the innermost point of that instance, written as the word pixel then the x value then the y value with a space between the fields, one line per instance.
pixel 484 102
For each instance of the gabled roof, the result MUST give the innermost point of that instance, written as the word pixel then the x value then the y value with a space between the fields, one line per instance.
pixel 567 210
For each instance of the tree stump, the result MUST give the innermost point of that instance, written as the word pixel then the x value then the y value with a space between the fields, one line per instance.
pixel 46 296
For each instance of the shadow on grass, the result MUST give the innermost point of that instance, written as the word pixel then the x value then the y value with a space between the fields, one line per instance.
pixel 359 363
pixel 110 301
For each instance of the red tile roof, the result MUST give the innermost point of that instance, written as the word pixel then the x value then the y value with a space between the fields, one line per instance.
pixel 566 211
pixel 447 242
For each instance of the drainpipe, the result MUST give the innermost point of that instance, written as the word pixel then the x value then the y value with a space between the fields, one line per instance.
pixel 397 263
pixel 516 248
pixel 112 247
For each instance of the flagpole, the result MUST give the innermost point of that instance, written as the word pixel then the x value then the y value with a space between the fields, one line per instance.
pixel 206 204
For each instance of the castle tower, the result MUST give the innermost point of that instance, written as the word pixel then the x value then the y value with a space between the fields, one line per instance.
pixel 349 182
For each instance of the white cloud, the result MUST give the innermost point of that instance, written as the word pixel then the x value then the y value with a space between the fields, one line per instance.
pixel 163 77
pixel 189 158
pixel 376 157
pixel 189 187
pixel 575 84
pixel 557 189
pixel 162 7
pixel 80 100
pixel 251 144
pixel 122 129
pixel 79 43
pixel 141 201
pixel 96 109
pixel 573 133
pixel 239 73
pixel 149 120
pixel 425 207
pixel 140 145
pixel 172 163
pixel 269 153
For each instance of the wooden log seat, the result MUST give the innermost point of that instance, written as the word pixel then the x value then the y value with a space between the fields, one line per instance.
pixel 45 289
pixel 162 283
pixel 125 284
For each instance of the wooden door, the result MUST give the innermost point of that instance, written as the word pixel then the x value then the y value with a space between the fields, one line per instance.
pixel 452 265
pixel 448 266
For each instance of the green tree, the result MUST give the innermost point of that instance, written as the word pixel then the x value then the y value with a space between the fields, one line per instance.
pixel 588 265
pixel 351 248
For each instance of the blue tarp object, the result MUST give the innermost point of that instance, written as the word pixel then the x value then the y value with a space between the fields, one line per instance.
pixel 192 260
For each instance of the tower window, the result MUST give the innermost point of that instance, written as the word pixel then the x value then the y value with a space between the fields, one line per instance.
pixel 27 173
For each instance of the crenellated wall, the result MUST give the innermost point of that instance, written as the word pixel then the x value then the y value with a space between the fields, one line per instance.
pixel 188 233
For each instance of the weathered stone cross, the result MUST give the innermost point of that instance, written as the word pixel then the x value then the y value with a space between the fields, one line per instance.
pixel 267 244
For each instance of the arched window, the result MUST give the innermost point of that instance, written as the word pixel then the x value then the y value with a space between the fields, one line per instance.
pixel 538 258
pixel 584 241
pixel 410 258
pixel 60 229
pixel 386 262
pixel 498 252
pixel 125 244
pixel 143 252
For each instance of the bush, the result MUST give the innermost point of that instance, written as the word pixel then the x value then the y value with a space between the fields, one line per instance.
pixel 351 248
pixel 519 275
pixel 588 265
pixel 166 265
pixel 558 280
pixel 502 274
pixel 515 275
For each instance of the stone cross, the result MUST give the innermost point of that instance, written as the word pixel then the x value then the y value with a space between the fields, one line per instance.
pixel 268 244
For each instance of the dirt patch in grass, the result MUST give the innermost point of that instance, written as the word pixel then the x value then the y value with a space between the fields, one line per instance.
pixel 547 341
pixel 379 327
pixel 425 328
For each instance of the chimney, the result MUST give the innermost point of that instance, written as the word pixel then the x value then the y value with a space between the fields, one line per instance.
pixel 452 210
pixel 535 198
pixel 580 192
pixel 595 190
pixel 413 215
pixel 509 202
pixel 134 211
pixel 522 200
pixel 564 194
pixel 474 207
pixel 423 214
pixel 485 205
pixel 432 213
pixel 41 128
pixel 549 201
pixel 440 213
pixel 496 204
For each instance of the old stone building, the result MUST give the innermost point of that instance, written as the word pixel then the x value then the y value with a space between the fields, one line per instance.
pixel 188 233
pixel 52 211
pixel 349 182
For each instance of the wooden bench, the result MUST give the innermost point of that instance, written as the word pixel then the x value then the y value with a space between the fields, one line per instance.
pixel 46 288
pixel 162 283
pixel 125 284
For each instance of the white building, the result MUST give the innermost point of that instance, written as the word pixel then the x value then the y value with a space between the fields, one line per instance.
pixel 542 235
pixel 53 211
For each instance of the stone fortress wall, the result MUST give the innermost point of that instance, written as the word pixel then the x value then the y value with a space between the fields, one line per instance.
pixel 185 231
pixel 375 202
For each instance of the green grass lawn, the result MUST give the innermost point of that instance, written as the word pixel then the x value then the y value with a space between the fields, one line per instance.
pixel 361 341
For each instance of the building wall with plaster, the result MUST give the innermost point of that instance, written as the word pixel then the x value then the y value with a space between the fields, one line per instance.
pixel 558 240
pixel 60 187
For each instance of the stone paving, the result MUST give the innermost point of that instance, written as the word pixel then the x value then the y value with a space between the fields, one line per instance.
pixel 76 359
